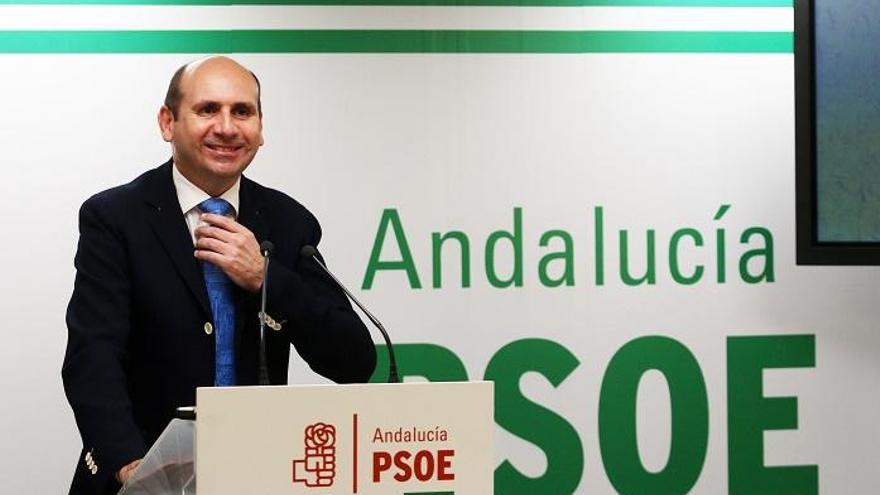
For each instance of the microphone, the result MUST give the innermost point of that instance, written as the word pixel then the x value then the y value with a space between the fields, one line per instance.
pixel 308 251
pixel 266 248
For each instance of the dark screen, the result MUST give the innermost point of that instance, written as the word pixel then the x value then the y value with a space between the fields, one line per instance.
pixel 847 65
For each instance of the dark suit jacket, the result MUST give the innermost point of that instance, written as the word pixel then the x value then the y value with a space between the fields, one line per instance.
pixel 137 341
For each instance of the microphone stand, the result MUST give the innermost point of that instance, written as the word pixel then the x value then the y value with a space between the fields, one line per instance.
pixel 311 252
pixel 266 248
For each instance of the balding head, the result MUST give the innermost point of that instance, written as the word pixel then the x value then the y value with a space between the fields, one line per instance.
pixel 174 95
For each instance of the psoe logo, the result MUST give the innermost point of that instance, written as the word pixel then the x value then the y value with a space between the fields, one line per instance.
pixel 318 468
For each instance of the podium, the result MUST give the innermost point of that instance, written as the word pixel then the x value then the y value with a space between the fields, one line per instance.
pixel 366 439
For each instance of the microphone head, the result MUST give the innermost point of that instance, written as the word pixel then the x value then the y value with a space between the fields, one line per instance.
pixel 267 248
pixel 308 251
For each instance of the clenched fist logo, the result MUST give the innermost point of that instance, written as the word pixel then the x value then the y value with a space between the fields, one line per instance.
pixel 318 468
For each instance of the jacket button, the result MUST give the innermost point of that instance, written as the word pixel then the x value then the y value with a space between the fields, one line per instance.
pixel 209 329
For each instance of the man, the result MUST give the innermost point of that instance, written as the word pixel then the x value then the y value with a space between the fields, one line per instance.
pixel 166 297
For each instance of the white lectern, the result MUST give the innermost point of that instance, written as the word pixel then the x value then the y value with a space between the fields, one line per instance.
pixel 376 439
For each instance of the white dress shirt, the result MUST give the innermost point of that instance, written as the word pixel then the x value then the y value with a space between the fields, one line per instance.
pixel 189 196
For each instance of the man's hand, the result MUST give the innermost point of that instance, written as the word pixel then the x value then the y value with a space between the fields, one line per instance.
pixel 232 247
pixel 125 473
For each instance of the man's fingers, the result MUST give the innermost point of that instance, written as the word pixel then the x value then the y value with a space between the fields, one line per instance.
pixel 127 470
pixel 215 245
pixel 223 222
pixel 215 232
pixel 211 257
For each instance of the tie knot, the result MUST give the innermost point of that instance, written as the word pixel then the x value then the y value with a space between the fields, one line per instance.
pixel 217 206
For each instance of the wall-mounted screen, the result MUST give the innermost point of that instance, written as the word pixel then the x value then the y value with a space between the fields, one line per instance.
pixel 837 59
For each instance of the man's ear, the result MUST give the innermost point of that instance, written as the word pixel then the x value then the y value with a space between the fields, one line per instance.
pixel 166 123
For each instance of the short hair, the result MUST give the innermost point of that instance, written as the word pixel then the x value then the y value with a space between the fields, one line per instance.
pixel 174 95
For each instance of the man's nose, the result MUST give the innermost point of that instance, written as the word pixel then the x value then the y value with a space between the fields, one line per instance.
pixel 225 124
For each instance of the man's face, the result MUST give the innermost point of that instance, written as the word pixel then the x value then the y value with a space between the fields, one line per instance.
pixel 218 129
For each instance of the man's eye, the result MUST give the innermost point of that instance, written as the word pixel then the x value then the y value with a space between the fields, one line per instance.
pixel 243 111
pixel 209 109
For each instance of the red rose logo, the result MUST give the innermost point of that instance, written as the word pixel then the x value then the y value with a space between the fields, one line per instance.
pixel 320 435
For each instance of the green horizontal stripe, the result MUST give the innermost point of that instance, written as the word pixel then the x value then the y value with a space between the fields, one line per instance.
pixel 400 41
pixel 499 3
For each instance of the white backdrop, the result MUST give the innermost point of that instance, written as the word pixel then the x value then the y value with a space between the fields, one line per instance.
pixel 455 142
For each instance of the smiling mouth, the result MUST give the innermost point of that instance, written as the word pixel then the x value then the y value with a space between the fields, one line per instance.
pixel 223 149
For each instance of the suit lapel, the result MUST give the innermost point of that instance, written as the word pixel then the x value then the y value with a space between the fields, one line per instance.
pixel 170 228
pixel 251 209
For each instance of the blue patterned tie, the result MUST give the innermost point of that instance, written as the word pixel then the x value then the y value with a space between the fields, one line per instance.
pixel 220 291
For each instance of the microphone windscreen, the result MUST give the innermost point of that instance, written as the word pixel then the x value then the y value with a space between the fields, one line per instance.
pixel 308 251
pixel 267 248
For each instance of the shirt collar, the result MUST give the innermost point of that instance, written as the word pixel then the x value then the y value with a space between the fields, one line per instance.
pixel 189 195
